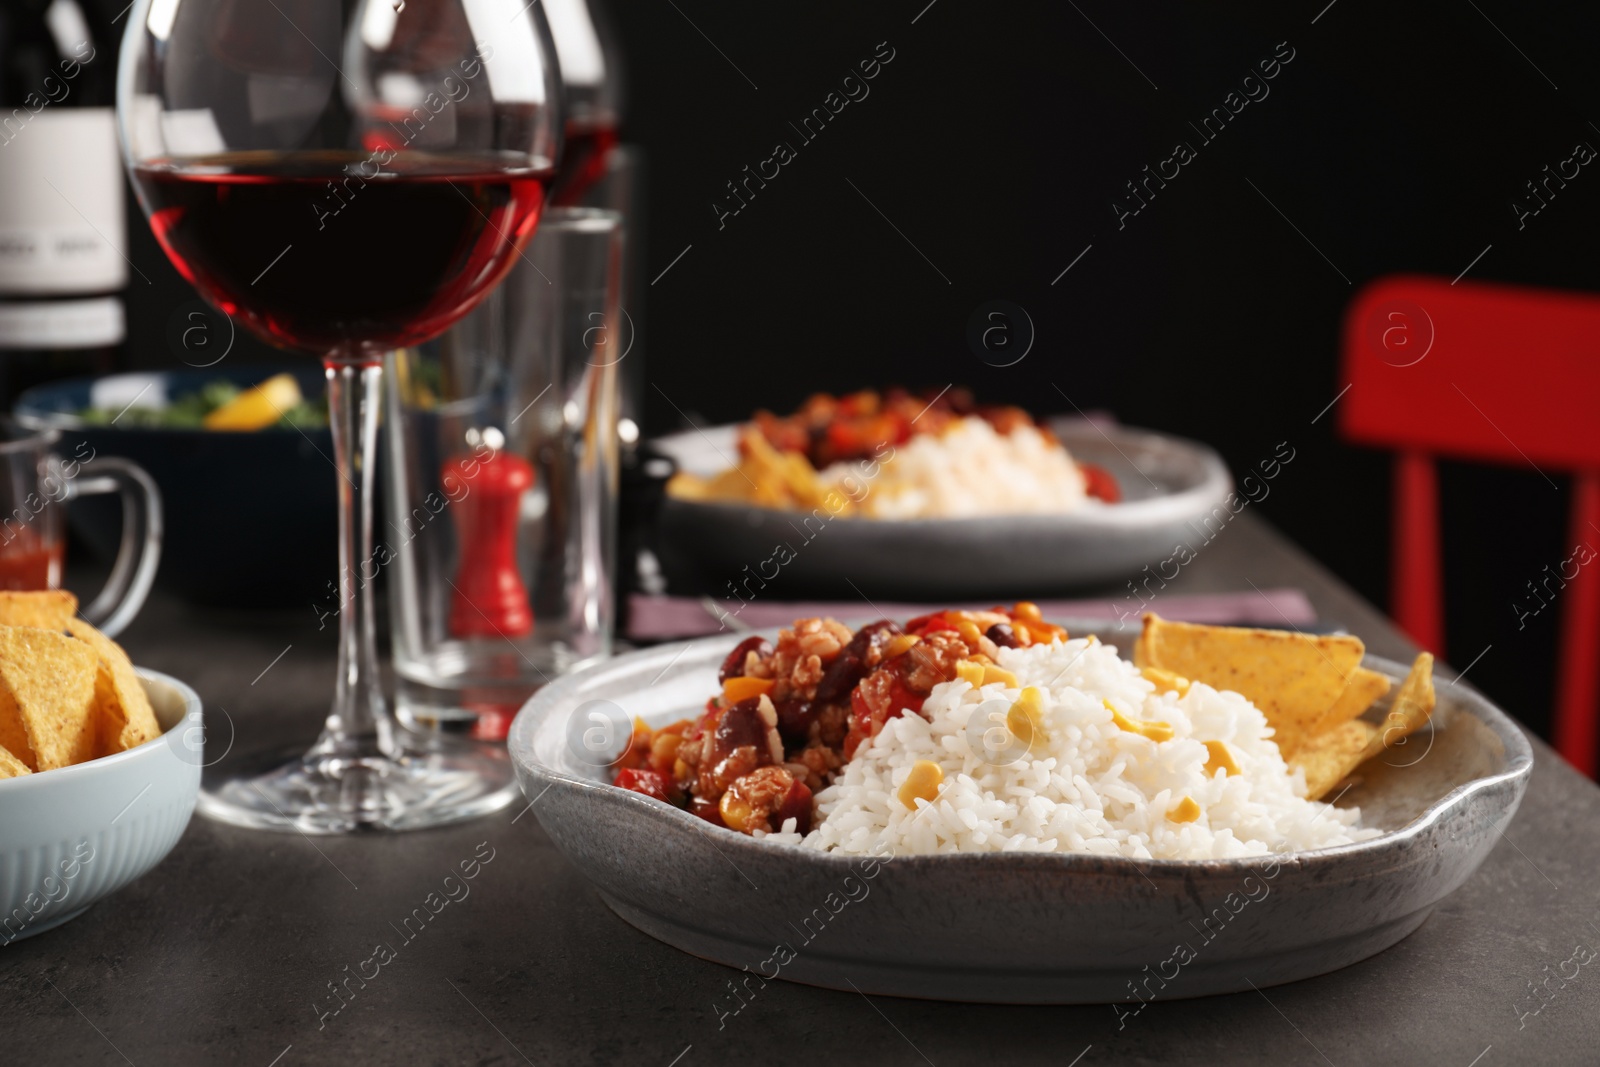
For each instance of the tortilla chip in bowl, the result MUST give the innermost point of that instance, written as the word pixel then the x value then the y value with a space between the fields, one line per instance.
pixel 74 834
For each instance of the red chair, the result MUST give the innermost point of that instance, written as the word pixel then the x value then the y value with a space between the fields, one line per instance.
pixel 1496 373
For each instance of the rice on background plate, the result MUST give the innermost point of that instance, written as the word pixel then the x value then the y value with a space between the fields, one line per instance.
pixel 1088 785
pixel 971 470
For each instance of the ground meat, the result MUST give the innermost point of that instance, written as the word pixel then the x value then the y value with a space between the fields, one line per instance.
pixel 687 765
pixel 933 660
pixel 820 761
pixel 801 655
pixel 833 723
pixel 752 800
pixel 757 667
pixel 822 637
pixel 753 764
pixel 737 745
pixel 806 674
pixel 715 778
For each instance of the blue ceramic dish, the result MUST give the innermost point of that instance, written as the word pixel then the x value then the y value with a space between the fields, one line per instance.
pixel 251 518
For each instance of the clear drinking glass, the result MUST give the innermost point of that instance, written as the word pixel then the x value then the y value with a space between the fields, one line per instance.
pixel 622 191
pixel 36 482
pixel 345 179
pixel 502 489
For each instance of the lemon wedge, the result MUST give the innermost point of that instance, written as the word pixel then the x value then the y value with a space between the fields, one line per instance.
pixel 257 408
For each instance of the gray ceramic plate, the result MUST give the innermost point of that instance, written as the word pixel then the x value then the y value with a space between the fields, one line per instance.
pixel 1007 928
pixel 1167 483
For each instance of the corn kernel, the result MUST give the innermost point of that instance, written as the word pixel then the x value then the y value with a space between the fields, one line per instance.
pixel 969 631
pixel 998 674
pixel 1025 719
pixel 664 751
pixel 899 645
pixel 1027 609
pixel 970 672
pixel 1155 731
pixel 736 814
pixel 1166 680
pixel 921 784
pixel 1186 810
pixel 737 689
pixel 1219 756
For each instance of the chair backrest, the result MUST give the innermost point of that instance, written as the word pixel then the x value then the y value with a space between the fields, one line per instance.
pixel 1474 371
pixel 1484 372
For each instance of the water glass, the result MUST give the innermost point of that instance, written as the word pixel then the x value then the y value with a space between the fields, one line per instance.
pixel 502 485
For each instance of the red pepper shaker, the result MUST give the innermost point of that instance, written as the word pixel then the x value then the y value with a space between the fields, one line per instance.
pixel 490 599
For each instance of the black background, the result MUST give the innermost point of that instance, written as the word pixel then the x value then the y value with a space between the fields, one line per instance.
pixel 987 157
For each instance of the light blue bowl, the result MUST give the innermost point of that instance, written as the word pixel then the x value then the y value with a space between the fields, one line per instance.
pixel 71 836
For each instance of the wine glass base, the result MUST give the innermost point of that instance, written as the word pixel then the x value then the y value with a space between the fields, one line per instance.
pixel 337 794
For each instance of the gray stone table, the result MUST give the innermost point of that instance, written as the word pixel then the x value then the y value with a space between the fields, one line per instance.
pixel 223 954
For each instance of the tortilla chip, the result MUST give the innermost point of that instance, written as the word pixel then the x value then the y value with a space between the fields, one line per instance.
pixel 123 716
pixel 1412 708
pixel 47 683
pixel 11 766
pixel 1329 758
pixel 1363 688
pixel 1305 684
pixel 13 735
pixel 49 609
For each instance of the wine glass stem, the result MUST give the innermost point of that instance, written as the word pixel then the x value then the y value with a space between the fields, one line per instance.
pixel 359 724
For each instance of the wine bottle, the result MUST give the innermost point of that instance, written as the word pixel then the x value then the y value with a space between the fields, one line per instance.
pixel 62 215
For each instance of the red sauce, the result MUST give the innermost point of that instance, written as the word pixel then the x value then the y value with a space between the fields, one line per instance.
pixel 28 562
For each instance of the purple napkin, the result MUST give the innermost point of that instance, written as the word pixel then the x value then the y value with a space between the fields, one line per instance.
pixel 659 618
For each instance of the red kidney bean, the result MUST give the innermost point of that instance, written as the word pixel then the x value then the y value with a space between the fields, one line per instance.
pixel 1003 635
pixel 795 716
pixel 840 677
pixel 733 666
pixel 740 724
pixel 870 634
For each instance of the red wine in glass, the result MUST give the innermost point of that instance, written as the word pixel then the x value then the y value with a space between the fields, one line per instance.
pixel 329 253
pixel 345 179
pixel 587 151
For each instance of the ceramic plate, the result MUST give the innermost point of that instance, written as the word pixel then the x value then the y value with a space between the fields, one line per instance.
pixel 1010 928
pixel 1170 487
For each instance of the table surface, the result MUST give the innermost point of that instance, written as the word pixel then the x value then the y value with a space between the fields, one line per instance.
pixel 224 953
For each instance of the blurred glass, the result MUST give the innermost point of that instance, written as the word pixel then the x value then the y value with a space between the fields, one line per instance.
pixel 503 458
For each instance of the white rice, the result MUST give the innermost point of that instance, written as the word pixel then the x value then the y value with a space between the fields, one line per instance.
pixel 1088 787
pixel 971 470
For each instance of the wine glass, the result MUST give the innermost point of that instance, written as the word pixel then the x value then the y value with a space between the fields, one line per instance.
pixel 591 75
pixel 345 178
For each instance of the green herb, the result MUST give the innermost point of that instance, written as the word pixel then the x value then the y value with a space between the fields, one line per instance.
pixel 188 412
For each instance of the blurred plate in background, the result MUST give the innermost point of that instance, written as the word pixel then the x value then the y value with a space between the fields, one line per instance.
pixel 1169 486
pixel 251 517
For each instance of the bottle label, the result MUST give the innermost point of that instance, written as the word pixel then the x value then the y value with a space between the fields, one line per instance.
pixel 62 223
pixel 62 324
